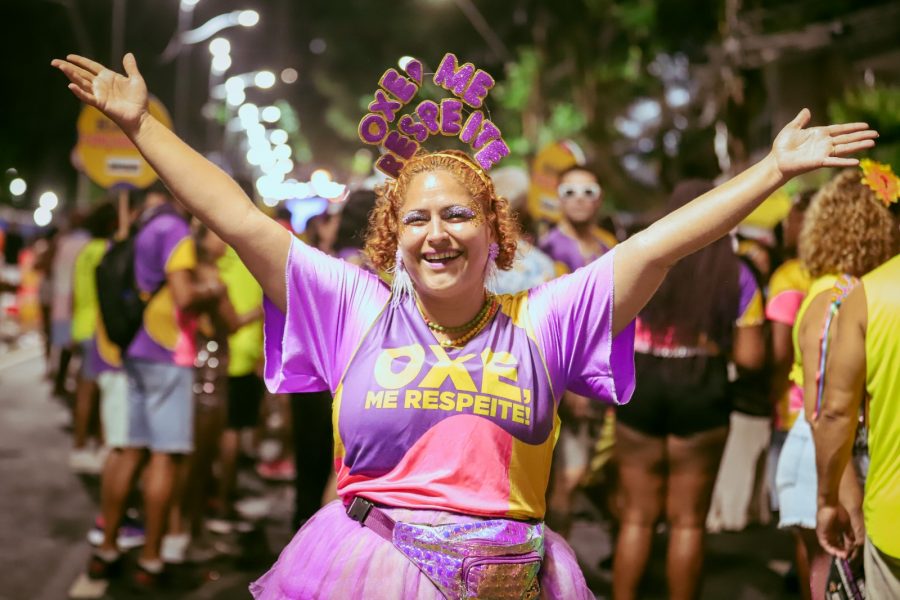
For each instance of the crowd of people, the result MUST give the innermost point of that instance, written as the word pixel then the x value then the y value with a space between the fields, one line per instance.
pixel 442 354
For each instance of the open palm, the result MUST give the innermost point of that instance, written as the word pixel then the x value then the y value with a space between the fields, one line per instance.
pixel 798 148
pixel 121 98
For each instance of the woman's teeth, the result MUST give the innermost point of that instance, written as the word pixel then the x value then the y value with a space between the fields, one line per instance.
pixel 440 257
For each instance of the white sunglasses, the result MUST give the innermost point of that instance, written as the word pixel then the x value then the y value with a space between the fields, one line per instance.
pixel 590 191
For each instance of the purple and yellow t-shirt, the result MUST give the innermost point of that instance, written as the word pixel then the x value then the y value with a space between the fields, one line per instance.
pixel 164 245
pixel 751 311
pixel 417 425
pixel 564 249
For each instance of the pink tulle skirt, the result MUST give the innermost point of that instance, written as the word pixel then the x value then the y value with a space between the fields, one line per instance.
pixel 332 556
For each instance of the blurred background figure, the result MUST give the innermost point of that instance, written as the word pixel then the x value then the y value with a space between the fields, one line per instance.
pixel 159 366
pixel 670 437
pixel 244 386
pixel 351 228
pixel 576 241
pixel 532 267
pixel 69 244
pixel 100 224
pixel 787 288
pixel 12 243
pixel 846 231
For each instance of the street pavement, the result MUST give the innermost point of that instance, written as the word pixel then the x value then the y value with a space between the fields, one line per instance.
pixel 46 511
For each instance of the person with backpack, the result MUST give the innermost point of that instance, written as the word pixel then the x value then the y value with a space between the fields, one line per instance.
pixel 158 286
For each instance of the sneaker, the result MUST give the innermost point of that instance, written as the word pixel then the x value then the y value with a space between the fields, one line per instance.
pixel 101 453
pixel 253 508
pixel 201 550
pixel 131 533
pixel 100 568
pixel 145 581
pixel 86 461
pixel 174 548
pixel 276 470
pixel 230 524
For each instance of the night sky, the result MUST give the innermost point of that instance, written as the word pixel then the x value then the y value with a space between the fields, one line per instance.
pixel 38 113
pixel 339 47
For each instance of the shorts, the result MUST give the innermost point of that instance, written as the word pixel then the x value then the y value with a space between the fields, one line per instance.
pixel 160 406
pixel 664 406
pixel 89 359
pixel 795 478
pixel 245 394
pixel 882 573
pixel 114 407
pixel 61 333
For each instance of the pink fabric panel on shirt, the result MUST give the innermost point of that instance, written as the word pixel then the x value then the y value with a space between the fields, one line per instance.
pixel 444 461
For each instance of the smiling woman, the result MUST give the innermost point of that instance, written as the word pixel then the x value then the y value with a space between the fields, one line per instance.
pixel 444 401
pixel 474 190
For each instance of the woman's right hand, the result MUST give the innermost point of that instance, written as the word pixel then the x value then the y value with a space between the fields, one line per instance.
pixel 122 99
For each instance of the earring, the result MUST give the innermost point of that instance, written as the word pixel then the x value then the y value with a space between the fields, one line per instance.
pixel 402 284
pixel 490 269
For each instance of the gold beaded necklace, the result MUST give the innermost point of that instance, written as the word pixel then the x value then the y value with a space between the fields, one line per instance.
pixel 470 329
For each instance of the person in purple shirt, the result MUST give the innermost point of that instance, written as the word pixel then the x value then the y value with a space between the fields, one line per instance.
pixel 577 240
pixel 445 398
pixel 159 367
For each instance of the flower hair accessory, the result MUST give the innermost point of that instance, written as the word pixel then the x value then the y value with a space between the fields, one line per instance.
pixel 881 179
pixel 469 85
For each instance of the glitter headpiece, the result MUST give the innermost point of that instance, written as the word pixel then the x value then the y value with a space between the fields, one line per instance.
pixel 469 85
pixel 881 179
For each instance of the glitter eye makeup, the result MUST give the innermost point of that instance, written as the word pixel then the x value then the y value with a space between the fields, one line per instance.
pixel 413 217
pixel 459 212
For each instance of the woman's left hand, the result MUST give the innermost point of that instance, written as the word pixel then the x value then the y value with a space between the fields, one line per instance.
pixel 798 148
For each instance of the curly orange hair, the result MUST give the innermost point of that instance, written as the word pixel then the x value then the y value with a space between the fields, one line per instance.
pixel 381 237
pixel 847 229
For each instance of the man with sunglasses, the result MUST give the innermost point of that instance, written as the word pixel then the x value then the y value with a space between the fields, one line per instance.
pixel 577 240
pixel 586 435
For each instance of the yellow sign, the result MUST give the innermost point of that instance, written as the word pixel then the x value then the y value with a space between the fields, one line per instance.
pixel 543 202
pixel 108 156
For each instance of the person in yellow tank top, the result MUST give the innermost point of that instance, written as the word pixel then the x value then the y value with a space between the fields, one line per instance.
pixel 846 230
pixel 100 224
pixel 865 356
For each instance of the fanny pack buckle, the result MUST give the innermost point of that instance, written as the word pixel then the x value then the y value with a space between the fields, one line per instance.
pixel 359 509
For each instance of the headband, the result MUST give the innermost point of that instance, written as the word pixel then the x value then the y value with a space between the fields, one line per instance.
pixel 469 85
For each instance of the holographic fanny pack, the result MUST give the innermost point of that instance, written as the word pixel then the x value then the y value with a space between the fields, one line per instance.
pixel 494 558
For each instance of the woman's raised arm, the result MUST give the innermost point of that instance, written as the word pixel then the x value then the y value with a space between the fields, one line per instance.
pixel 204 189
pixel 642 261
